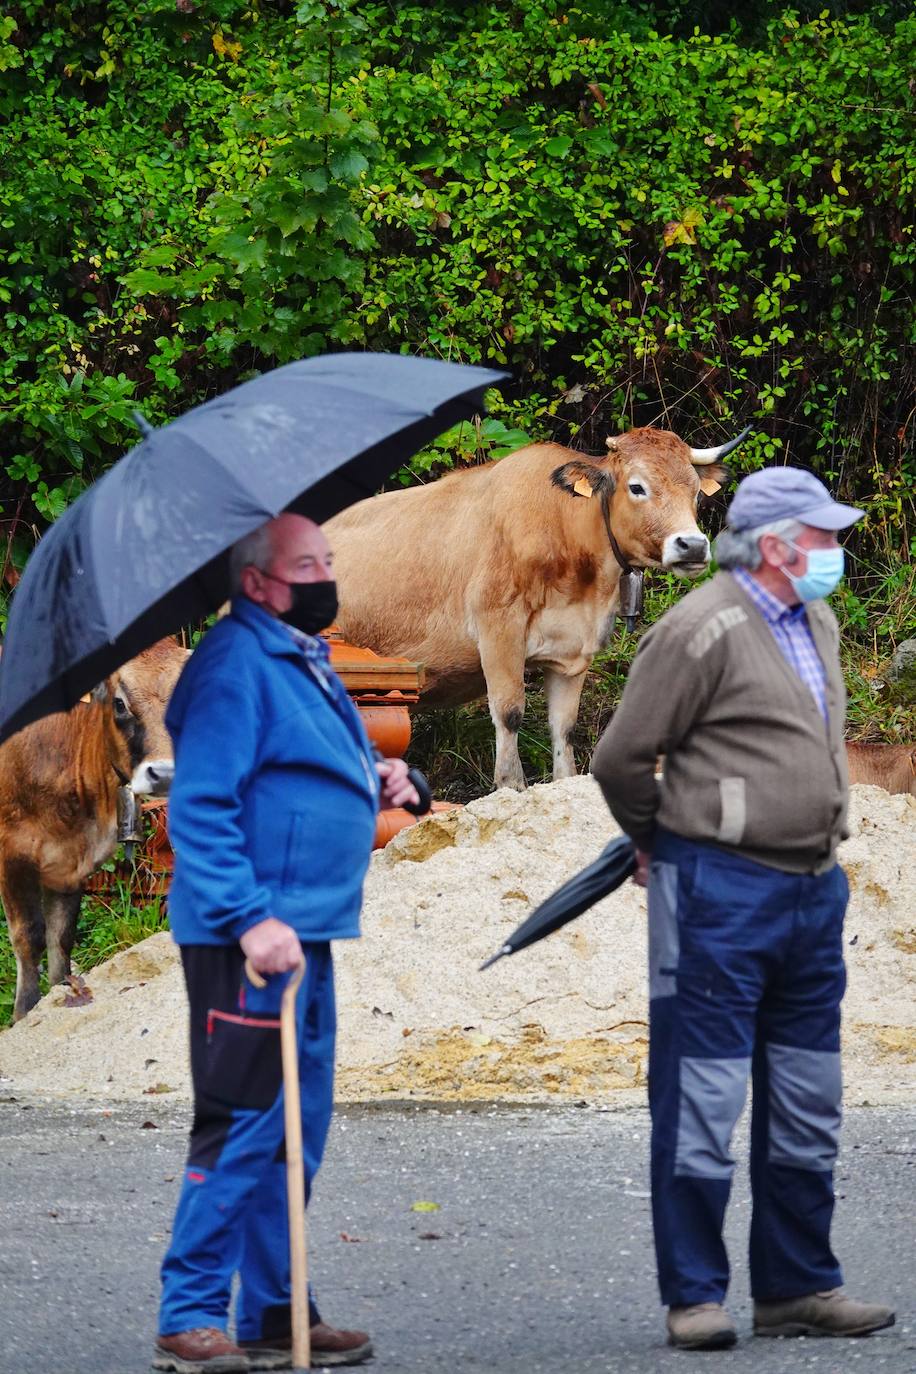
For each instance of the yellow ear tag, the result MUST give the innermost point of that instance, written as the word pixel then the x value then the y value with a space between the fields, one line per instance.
pixel 583 487
pixel 87 698
pixel 709 487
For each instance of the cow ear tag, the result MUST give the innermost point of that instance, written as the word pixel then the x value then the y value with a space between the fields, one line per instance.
pixel 583 487
pixel 87 698
pixel 709 486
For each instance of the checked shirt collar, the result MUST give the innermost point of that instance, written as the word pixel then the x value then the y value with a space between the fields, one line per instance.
pixel 318 653
pixel 790 628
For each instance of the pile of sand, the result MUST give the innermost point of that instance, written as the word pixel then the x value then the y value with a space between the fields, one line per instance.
pixel 567 1018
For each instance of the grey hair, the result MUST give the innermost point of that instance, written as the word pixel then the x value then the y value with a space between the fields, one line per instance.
pixel 254 549
pixel 741 548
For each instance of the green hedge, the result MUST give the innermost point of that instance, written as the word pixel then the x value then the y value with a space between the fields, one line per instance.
pixel 651 214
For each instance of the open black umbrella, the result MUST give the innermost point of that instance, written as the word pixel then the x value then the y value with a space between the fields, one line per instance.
pixel 615 863
pixel 145 550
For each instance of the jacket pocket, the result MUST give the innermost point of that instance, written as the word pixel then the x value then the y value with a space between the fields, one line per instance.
pixel 295 839
pixel 243 1067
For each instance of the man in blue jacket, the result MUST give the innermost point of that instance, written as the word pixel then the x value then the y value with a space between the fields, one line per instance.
pixel 272 817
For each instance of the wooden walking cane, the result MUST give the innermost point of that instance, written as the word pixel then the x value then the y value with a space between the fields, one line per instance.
pixel 295 1169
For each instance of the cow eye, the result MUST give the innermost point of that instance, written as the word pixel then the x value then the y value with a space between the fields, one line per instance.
pixel 637 489
pixel 121 708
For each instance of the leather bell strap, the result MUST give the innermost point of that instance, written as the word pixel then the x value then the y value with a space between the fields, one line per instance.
pixel 631 579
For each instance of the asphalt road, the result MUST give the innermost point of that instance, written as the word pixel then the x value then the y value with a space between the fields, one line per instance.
pixel 538 1259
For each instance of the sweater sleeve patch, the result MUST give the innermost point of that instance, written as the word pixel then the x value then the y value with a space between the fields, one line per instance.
pixel 712 631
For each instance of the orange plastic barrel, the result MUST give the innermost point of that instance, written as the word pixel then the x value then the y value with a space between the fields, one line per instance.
pixel 388 727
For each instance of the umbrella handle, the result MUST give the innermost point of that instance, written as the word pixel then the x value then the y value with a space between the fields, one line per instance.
pixel 295 1169
pixel 424 792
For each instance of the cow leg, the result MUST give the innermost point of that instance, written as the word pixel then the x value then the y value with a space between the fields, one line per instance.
pixel 502 658
pixel 563 692
pixel 20 892
pixel 62 910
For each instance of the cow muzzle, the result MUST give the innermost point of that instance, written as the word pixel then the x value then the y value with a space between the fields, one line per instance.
pixel 686 554
pixel 153 777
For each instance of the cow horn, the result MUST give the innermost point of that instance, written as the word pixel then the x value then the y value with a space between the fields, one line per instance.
pixel 702 456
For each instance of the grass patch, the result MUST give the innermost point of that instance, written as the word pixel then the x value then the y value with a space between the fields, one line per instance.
pixel 106 926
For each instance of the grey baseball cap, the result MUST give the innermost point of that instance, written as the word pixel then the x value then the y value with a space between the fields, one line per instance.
pixel 787 494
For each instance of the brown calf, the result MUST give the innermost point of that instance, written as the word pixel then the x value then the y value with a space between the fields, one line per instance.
pixel 59 780
pixel 891 766
pixel 512 564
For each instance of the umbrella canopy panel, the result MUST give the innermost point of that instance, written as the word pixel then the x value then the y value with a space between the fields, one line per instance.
pixel 145 550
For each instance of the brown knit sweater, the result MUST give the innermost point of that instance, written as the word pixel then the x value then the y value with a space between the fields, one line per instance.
pixel 749 763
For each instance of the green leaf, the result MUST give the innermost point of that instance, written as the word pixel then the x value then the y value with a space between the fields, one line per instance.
pixel 349 165
pixel 599 142
pixel 143 281
pixel 558 146
pixel 242 250
pixel 164 255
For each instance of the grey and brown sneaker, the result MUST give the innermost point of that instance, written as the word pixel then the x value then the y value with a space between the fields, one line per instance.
pixel 329 1347
pixel 702 1326
pixel 830 1313
pixel 204 1350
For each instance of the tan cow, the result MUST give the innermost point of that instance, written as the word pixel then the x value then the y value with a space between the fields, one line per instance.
pixel 891 766
pixel 511 564
pixel 59 780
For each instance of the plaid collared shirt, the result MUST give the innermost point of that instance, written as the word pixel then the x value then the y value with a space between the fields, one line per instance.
pixel 318 653
pixel 792 633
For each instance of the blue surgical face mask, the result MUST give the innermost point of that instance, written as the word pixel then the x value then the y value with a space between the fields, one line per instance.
pixel 823 574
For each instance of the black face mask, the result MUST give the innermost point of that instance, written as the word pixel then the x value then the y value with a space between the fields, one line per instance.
pixel 314 605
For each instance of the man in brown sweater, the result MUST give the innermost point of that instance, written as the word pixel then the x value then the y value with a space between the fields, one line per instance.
pixel 739 687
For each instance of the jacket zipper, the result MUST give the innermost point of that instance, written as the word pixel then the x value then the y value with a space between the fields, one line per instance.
pixel 372 778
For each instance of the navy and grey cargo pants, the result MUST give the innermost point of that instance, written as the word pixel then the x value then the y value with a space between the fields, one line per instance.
pixel 232 1211
pixel 746 979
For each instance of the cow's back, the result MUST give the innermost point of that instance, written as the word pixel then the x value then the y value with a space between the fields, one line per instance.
pixel 402 562
pixel 410 564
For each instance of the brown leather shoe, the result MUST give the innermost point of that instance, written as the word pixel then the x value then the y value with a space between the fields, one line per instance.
pixel 205 1350
pixel 829 1313
pixel 329 1347
pixel 702 1326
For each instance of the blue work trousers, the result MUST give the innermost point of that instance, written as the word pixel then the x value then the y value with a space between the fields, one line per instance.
pixel 232 1211
pixel 746 979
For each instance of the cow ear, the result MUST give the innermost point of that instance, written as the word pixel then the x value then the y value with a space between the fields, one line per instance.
pixel 713 478
pixel 583 479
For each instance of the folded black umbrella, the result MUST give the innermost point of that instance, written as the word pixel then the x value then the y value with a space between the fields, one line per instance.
pixel 145 549
pixel 615 863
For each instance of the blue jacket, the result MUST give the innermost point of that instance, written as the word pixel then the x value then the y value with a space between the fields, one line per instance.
pixel 272 811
